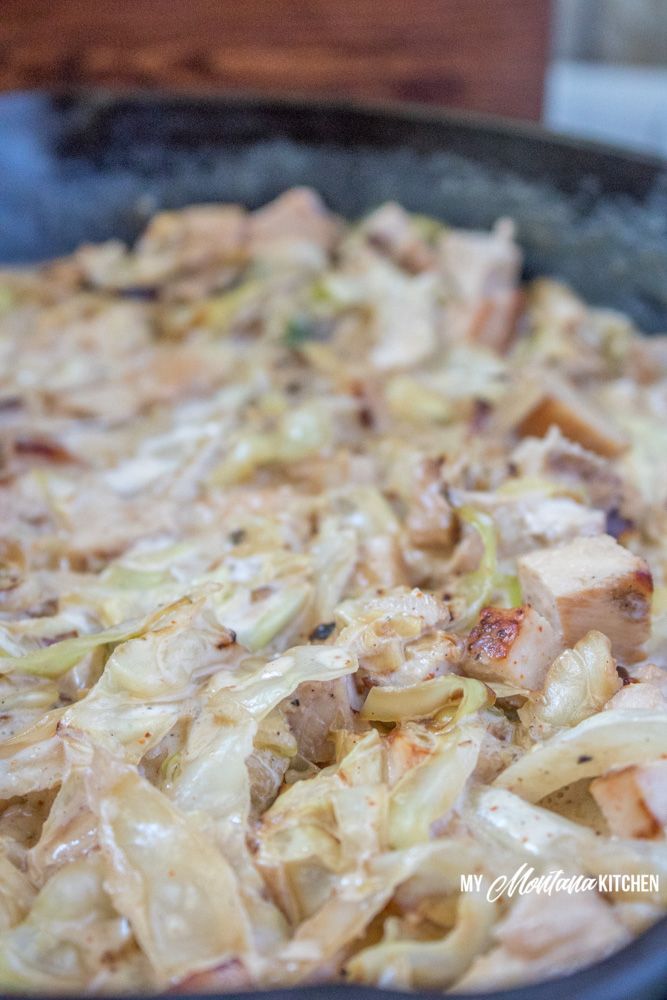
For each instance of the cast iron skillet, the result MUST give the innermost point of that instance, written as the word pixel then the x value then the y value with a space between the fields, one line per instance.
pixel 88 166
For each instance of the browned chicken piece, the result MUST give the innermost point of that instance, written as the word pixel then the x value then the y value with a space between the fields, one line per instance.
pixel 201 246
pixel 490 322
pixel 479 264
pixel 555 457
pixel 557 305
pixel 633 801
pixel 392 231
pixel 559 405
pixel 591 583
pixel 296 226
pixel 431 522
pixel 583 342
pixel 532 520
pixel 481 273
pixel 646 690
pixel 195 237
pixel 516 645
pixel 647 358
pixel 315 712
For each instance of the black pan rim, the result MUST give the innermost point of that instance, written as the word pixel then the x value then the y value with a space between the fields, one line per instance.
pixel 420 114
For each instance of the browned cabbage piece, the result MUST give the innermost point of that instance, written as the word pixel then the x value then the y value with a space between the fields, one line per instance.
pixel 591 583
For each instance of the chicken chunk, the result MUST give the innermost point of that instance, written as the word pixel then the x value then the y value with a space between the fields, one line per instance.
pixel 558 404
pixel 643 696
pixel 430 520
pixel 394 232
pixel 516 645
pixel 481 272
pixel 295 228
pixel 397 637
pixel 187 253
pixel 591 583
pixel 477 265
pixel 634 800
pixel 544 935
pixel 194 237
pixel 314 712
pixel 532 520
pixel 549 521
pixel 555 457
pixel 401 302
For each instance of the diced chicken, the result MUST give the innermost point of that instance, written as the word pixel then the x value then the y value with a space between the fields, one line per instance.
pixel 582 342
pixel 204 239
pixel 403 324
pixel 488 322
pixel 532 520
pixel 296 227
pixel 550 520
pixel 481 273
pixel 544 935
pixel 633 801
pixel 558 404
pixel 643 696
pixel 555 457
pixel 477 265
pixel 314 712
pixel 647 357
pixel 430 521
pixel 397 639
pixel 393 231
pixel 591 583
pixel 516 645
pixel 195 236
pixel 539 925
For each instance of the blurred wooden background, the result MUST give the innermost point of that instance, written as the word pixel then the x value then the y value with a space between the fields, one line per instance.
pixel 486 55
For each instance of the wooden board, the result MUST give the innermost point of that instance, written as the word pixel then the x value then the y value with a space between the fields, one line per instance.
pixel 486 55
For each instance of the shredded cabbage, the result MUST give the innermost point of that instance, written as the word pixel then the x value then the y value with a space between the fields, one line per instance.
pixel 577 685
pixel 478 587
pixel 440 698
pixel 262 474
pixel 601 742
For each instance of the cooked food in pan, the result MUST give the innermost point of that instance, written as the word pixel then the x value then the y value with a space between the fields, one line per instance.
pixel 333 611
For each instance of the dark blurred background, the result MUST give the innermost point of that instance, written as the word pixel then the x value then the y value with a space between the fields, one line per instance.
pixel 590 67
